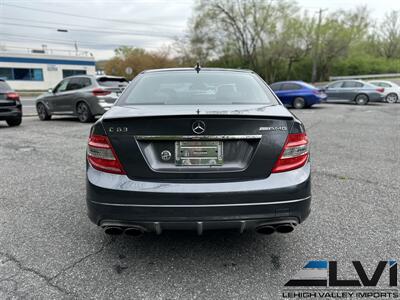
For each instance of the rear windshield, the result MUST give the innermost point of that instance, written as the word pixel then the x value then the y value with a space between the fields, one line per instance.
pixel 4 87
pixel 189 87
pixel 112 81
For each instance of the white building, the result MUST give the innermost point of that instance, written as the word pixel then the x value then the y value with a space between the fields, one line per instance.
pixel 37 70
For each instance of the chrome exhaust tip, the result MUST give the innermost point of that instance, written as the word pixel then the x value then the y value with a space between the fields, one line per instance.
pixel 134 231
pixel 265 229
pixel 113 230
pixel 285 228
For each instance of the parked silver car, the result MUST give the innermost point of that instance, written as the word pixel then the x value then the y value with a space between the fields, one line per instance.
pixel 357 91
pixel 392 90
pixel 84 96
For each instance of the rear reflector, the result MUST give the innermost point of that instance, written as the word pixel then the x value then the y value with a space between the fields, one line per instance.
pixel 294 154
pixel 101 155
pixel 100 92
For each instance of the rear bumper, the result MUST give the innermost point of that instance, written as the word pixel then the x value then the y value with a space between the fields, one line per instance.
pixel 10 112
pixel 323 98
pixel 119 201
pixel 316 99
pixel 376 97
pixel 100 106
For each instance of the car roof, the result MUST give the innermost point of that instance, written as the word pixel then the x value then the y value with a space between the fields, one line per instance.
pixel 194 70
pixel 384 81
pixel 93 76
pixel 290 81
pixel 109 76
pixel 341 80
pixel 77 76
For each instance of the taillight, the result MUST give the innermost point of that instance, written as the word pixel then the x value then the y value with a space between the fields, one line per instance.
pixel 12 96
pixel 102 156
pixel 316 92
pixel 380 90
pixel 294 154
pixel 100 92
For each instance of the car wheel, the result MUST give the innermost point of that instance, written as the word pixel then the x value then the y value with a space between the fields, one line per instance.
pixel 14 121
pixel 362 99
pixel 42 112
pixel 84 113
pixel 392 98
pixel 299 103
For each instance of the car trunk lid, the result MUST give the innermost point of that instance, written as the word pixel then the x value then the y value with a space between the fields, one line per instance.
pixel 234 144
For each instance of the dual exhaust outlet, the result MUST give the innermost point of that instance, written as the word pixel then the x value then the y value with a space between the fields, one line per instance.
pixel 134 231
pixel 271 228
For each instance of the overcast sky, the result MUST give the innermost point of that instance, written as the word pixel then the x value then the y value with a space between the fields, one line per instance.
pixel 149 24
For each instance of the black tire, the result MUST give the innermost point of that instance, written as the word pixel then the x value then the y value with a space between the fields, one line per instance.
pixel 83 112
pixel 299 103
pixel 42 112
pixel 392 98
pixel 361 99
pixel 14 121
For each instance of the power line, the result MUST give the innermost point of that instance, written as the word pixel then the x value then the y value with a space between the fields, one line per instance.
pixel 93 31
pixel 60 41
pixel 89 17
pixel 75 25
pixel 40 41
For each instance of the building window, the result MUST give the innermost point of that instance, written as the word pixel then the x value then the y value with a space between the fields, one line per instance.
pixel 67 73
pixel 6 73
pixel 21 74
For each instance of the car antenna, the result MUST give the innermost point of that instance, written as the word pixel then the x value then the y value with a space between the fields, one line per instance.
pixel 197 68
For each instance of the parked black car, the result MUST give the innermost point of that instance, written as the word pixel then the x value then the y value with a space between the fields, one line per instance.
pixel 10 105
pixel 198 150
pixel 357 91
pixel 84 96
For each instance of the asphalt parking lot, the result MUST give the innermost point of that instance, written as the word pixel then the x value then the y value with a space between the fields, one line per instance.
pixel 50 250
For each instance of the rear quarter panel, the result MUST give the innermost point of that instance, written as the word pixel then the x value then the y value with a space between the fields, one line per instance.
pixel 374 96
pixel 87 97
pixel 287 97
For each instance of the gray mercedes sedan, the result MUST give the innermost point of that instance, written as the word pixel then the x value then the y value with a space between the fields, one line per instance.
pixel 198 149
pixel 84 96
pixel 357 91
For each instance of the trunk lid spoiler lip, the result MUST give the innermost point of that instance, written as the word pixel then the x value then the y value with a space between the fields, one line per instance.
pixel 198 111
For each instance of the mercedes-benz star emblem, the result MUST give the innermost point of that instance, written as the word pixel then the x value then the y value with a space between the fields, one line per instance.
pixel 198 127
pixel 165 155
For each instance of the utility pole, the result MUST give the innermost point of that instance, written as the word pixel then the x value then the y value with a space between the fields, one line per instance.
pixel 316 47
pixel 76 48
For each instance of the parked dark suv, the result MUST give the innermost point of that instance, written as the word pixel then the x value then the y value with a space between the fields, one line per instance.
pixel 84 96
pixel 10 105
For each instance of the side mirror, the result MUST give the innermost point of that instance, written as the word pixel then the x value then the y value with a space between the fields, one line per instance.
pixel 50 91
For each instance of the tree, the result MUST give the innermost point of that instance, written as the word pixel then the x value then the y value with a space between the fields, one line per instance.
pixel 388 35
pixel 262 35
pixel 138 59
pixel 338 33
pixel 196 45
